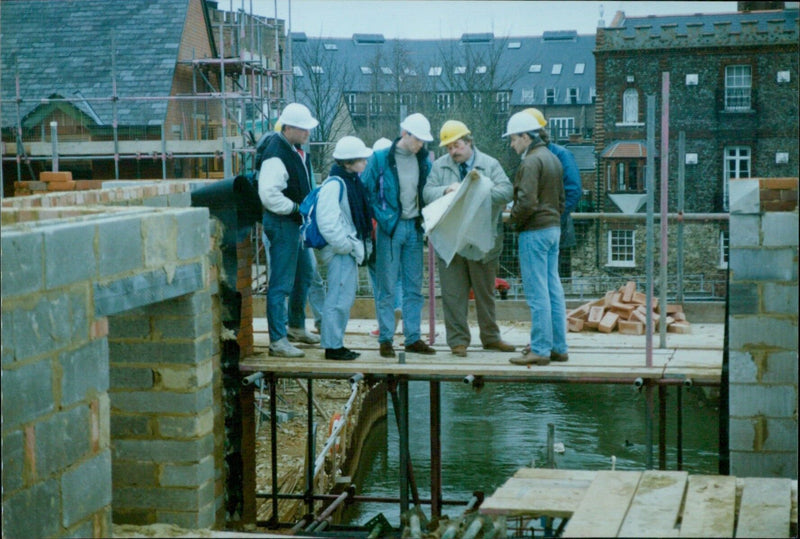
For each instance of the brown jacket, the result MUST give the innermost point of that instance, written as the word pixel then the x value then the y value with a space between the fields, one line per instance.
pixel 538 190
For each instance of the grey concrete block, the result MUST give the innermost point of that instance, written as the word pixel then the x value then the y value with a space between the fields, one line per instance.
pixel 781 434
pixel 763 264
pixel 131 377
pixel 202 519
pixel 743 298
pixel 193 233
pixel 186 426
pixel 744 196
pixel 79 302
pixel 750 464
pixel 744 230
pixel 27 393
pixel 125 326
pixel 160 239
pixel 741 434
pixel 128 473
pixel 161 401
pixel 120 246
pixel 189 475
pixel 23 512
pixel 182 327
pixel 765 332
pixel 158 201
pixel 44 328
pixel 129 426
pixel 780 298
pixel 781 368
pixel 749 400
pixel 743 369
pixel 188 353
pixel 62 440
pixel 69 254
pixel 145 288
pixel 21 267
pixel 163 499
pixel 780 229
pixel 86 489
pixel 165 451
pixel 187 305
pixel 179 200
pixel 7 334
pixel 84 372
pixel 13 460
pixel 81 531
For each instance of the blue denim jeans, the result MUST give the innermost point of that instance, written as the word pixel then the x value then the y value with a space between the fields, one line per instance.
pixel 399 257
pixel 290 274
pixel 538 262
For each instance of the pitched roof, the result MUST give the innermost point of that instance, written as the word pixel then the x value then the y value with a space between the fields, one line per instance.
pixel 529 61
pixel 626 149
pixel 65 48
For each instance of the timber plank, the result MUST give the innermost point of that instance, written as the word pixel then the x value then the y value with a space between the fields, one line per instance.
pixel 533 500
pixel 655 507
pixel 603 508
pixel 765 508
pixel 710 506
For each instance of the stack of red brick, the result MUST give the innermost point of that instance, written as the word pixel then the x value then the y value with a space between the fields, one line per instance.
pixel 624 310
pixel 54 181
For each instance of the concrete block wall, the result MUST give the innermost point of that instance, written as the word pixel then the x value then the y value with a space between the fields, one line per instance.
pixel 763 358
pixel 109 335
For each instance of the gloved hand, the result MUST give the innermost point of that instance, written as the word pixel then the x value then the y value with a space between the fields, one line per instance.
pixel 358 251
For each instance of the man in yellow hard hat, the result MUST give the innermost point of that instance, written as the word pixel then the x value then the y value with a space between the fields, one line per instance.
pixel 469 269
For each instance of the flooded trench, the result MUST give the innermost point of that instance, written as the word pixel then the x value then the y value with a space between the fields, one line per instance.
pixel 489 434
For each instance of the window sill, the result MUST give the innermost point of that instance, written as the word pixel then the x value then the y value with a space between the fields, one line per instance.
pixel 737 111
pixel 629 124
pixel 621 265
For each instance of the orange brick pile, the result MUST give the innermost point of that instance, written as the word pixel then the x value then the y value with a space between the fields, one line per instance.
pixel 624 310
pixel 54 181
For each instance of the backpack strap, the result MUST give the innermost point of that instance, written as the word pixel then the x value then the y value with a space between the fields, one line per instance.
pixel 341 185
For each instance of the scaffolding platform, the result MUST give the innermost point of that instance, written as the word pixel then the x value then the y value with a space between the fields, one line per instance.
pixel 652 503
pixel 593 358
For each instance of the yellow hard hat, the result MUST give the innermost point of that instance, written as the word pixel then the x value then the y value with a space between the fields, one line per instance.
pixel 278 126
pixel 451 131
pixel 536 113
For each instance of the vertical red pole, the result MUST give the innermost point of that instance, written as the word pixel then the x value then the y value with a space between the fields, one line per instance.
pixel 431 295
pixel 662 326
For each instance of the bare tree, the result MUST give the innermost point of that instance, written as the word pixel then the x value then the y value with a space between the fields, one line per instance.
pixel 319 85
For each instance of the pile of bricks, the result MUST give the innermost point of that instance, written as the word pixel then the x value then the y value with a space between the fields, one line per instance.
pixel 624 310
pixel 54 181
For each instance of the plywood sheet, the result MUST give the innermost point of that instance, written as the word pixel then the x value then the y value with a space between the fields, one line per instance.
pixel 765 508
pixel 656 506
pixel 710 506
pixel 603 508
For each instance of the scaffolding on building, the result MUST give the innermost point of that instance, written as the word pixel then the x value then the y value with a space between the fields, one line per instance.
pixel 234 97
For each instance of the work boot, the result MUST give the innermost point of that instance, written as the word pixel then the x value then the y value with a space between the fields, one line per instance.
pixel 459 350
pixel 342 354
pixel 386 349
pixel 283 348
pixel 420 347
pixel 301 335
pixel 528 358
pixel 500 346
pixel 555 356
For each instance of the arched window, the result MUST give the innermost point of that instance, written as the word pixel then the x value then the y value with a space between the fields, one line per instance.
pixel 630 106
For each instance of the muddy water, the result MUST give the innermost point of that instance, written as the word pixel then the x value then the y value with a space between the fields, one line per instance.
pixel 488 435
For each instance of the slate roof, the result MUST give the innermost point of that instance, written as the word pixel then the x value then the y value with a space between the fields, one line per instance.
pixel 519 54
pixel 64 48
pixel 584 155
pixel 709 20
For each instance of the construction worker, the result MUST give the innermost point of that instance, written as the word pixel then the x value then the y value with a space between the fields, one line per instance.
pixel 395 178
pixel 284 179
pixel 469 269
pixel 536 215
pixel 572 181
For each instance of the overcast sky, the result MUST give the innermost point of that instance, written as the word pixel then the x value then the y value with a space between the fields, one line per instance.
pixel 433 19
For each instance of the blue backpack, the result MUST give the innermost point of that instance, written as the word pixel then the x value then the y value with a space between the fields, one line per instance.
pixel 308 209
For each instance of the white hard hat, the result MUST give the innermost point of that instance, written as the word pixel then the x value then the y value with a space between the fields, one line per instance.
pixel 298 115
pixel 521 122
pixel 381 143
pixel 419 126
pixel 351 148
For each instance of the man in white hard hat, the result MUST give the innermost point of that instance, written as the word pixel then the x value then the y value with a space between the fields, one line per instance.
pixel 394 178
pixel 284 179
pixel 469 269
pixel 536 215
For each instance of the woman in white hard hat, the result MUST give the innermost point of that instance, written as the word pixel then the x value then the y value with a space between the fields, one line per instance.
pixel 536 215
pixel 344 219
